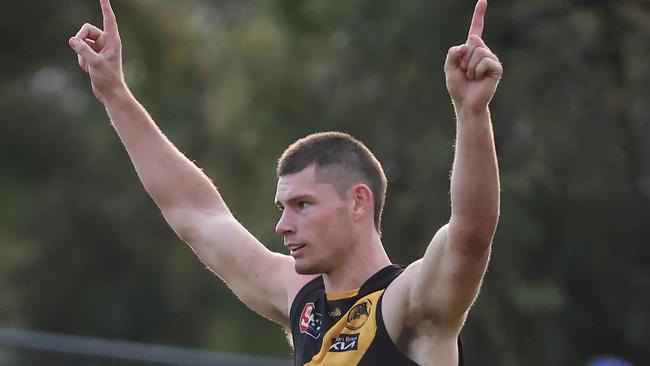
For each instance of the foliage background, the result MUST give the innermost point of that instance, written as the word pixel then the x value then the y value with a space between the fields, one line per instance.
pixel 84 251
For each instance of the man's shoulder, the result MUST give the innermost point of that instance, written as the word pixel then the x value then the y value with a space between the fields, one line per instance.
pixel 402 308
pixel 405 278
pixel 396 300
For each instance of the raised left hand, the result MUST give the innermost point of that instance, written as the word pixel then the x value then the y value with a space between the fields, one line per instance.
pixel 472 70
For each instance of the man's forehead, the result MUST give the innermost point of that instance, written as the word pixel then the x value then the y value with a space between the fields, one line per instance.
pixel 295 183
pixel 303 177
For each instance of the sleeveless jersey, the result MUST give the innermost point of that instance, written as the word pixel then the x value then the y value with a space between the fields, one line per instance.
pixel 346 329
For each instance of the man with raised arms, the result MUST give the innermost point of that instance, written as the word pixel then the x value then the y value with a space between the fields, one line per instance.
pixel 338 292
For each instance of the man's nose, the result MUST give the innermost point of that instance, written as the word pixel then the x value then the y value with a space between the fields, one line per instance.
pixel 284 225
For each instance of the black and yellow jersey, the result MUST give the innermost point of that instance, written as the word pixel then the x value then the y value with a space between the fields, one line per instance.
pixel 346 329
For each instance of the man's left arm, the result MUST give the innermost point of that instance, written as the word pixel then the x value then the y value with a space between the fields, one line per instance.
pixel 445 282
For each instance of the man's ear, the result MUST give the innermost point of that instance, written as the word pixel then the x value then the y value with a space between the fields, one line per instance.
pixel 362 201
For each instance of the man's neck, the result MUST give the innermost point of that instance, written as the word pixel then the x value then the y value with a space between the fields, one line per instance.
pixel 361 263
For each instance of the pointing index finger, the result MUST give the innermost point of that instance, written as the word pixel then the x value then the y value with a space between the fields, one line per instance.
pixel 476 28
pixel 110 24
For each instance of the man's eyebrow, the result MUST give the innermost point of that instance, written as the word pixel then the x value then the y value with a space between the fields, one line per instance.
pixel 292 199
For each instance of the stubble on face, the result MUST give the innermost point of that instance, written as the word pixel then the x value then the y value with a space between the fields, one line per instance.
pixel 329 241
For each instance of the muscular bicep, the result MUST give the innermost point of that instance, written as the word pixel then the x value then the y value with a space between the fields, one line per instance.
pixel 447 279
pixel 265 281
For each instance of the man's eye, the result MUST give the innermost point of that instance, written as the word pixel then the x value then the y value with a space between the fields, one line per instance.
pixel 302 204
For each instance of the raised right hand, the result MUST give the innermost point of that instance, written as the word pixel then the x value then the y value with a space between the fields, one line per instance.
pixel 100 54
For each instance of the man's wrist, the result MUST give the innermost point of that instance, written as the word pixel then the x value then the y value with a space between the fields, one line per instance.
pixel 467 113
pixel 116 94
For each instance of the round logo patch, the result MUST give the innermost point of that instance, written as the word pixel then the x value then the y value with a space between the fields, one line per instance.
pixel 358 315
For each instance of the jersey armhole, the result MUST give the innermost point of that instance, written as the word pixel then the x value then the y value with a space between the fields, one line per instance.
pixel 383 333
pixel 384 337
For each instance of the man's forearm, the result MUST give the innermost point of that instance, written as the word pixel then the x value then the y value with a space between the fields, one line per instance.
pixel 475 177
pixel 170 178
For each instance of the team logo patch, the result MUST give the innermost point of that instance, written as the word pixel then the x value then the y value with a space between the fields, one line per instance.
pixel 358 315
pixel 345 342
pixel 310 321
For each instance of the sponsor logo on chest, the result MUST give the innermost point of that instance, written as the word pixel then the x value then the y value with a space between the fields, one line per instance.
pixel 345 342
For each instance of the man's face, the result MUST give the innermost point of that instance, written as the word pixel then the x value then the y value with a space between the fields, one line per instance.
pixel 315 221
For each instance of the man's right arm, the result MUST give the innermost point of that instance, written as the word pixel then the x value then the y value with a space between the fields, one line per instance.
pixel 194 209
pixel 190 203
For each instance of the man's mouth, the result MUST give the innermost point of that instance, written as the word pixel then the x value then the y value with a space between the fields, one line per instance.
pixel 294 248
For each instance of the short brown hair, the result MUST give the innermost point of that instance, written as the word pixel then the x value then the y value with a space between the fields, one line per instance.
pixel 341 160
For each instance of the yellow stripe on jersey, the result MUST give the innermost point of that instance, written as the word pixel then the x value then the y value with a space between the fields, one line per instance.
pixel 331 296
pixel 348 340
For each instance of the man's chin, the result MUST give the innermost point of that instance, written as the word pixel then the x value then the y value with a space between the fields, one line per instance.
pixel 304 269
